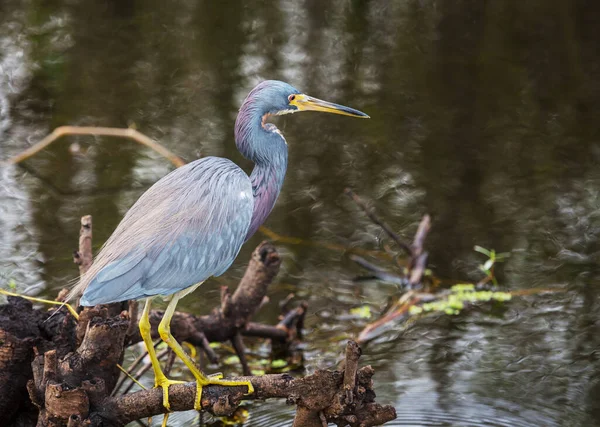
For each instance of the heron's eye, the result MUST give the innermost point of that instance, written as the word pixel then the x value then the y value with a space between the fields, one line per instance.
pixel 291 98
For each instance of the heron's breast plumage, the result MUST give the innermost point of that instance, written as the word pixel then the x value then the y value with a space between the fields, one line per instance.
pixel 188 226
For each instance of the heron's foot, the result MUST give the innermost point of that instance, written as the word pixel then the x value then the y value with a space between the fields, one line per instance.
pixel 164 383
pixel 216 376
pixel 215 379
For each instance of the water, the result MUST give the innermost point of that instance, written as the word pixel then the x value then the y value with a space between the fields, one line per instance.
pixel 484 114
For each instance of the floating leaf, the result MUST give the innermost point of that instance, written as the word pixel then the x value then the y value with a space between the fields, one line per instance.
pixel 461 295
pixel 462 287
pixel 363 312
pixel 279 363
pixel 240 416
pixel 415 309
pixel 231 360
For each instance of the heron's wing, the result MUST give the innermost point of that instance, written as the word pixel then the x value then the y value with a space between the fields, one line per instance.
pixel 188 226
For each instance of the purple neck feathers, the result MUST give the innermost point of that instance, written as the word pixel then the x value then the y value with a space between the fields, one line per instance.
pixel 263 144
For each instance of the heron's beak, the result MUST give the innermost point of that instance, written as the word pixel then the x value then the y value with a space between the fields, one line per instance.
pixel 308 103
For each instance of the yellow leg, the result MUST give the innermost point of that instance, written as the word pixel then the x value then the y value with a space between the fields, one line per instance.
pixel 164 329
pixel 160 380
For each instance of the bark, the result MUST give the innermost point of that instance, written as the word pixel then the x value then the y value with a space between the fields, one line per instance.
pixel 83 257
pixel 16 354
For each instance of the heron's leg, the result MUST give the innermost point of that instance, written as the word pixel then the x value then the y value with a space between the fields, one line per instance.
pixel 160 380
pixel 164 329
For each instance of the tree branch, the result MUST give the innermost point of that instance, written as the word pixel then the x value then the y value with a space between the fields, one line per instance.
pixel 371 214
pixel 61 131
pixel 314 393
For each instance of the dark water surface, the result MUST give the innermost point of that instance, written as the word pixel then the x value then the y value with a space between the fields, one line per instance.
pixel 485 114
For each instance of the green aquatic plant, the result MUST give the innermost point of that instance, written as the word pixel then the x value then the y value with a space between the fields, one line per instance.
pixel 493 258
pixel 361 312
pixel 457 298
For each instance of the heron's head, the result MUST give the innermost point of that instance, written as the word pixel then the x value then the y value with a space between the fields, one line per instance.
pixel 273 97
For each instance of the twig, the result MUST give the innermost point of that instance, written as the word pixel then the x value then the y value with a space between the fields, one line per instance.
pixel 420 235
pixel 203 343
pixel 59 132
pixel 83 256
pixel 378 272
pixel 400 309
pixel 133 318
pixel 130 368
pixel 265 331
pixel 145 368
pixel 371 214
pixel 291 319
pixel 416 273
pixel 290 240
pixel 240 349
pixel 284 304
pixel 170 361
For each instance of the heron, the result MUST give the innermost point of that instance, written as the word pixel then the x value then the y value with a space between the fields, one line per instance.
pixel 191 224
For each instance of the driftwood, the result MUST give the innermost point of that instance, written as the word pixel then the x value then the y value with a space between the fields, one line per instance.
pixel 57 371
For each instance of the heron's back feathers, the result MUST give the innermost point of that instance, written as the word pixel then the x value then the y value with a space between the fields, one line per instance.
pixel 188 226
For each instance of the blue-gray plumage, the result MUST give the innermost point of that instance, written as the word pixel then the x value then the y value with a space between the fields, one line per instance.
pixel 191 224
pixel 199 217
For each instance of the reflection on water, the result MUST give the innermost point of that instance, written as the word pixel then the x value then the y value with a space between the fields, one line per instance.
pixel 484 114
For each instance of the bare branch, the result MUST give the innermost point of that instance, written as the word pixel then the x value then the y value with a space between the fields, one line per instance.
pixel 59 132
pixel 371 214
pixel 420 236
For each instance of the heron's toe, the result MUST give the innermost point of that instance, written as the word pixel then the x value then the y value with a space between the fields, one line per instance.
pixel 164 383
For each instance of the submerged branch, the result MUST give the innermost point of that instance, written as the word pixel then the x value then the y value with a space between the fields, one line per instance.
pixel 61 131
pixel 373 216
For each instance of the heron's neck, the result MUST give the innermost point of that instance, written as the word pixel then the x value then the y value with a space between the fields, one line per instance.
pixel 265 146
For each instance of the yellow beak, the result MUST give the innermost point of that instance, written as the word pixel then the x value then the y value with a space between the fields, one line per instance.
pixel 308 103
